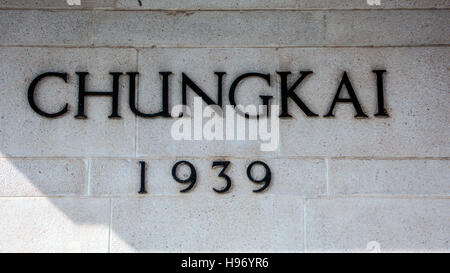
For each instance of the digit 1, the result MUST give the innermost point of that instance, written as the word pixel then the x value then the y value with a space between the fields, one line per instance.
pixel 142 190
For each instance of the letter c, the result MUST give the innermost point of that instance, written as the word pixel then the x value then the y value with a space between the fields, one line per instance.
pixel 32 88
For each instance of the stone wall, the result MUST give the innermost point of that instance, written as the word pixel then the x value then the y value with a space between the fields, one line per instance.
pixel 337 184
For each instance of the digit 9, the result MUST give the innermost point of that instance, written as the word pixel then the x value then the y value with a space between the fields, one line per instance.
pixel 265 180
pixel 191 179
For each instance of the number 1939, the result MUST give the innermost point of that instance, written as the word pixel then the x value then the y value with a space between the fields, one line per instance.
pixel 192 178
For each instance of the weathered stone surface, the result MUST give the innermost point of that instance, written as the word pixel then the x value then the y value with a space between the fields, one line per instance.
pixel 54 225
pixel 38 27
pixel 208 28
pixel 225 4
pixel 116 177
pixel 189 224
pixel 225 28
pixel 378 28
pixel 25 133
pixel 272 28
pixel 395 225
pixel 205 4
pixel 322 4
pixel 43 4
pixel 372 4
pixel 42 177
pixel 417 177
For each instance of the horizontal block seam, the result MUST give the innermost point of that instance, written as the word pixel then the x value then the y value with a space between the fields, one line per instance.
pixel 231 196
pixel 221 156
pixel 88 46
pixel 182 10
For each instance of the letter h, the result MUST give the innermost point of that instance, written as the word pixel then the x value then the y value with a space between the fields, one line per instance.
pixel 82 93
